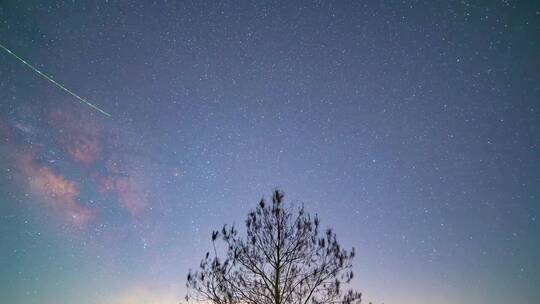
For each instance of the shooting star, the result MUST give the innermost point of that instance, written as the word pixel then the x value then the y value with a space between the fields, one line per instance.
pixel 81 99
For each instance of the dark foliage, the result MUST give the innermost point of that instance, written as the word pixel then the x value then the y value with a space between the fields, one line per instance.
pixel 282 259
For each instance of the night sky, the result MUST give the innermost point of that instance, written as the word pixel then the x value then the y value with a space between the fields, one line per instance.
pixel 413 129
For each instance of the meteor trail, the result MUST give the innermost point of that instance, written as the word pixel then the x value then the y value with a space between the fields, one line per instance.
pixel 56 83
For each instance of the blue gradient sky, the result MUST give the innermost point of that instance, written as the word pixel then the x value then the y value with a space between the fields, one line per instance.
pixel 411 128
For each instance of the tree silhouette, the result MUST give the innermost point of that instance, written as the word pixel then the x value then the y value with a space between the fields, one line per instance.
pixel 283 259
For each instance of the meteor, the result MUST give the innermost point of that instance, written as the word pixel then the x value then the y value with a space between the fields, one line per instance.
pixel 81 99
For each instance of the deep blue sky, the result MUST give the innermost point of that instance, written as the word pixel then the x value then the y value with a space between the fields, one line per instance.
pixel 411 128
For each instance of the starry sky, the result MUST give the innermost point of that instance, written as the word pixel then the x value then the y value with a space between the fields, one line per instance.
pixel 411 128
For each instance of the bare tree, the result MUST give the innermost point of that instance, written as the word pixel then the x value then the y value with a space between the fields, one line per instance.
pixel 281 260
